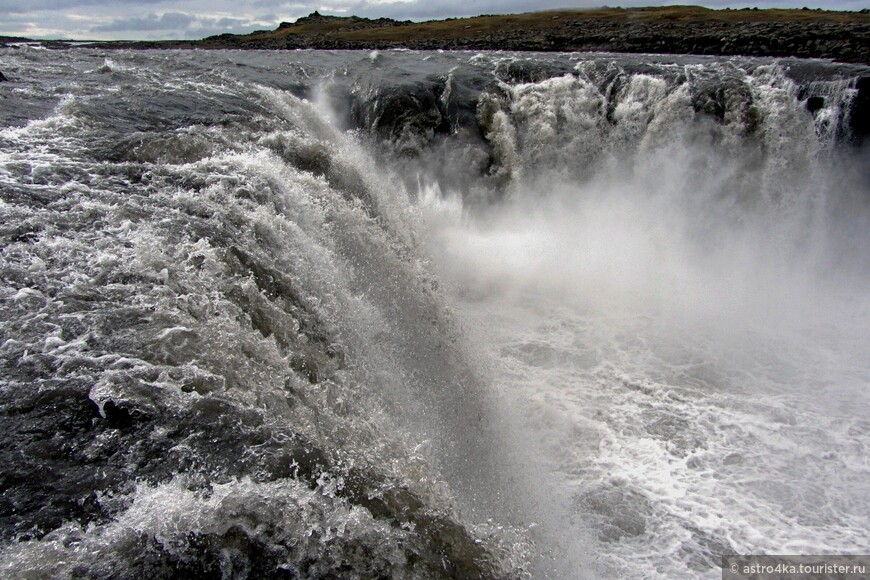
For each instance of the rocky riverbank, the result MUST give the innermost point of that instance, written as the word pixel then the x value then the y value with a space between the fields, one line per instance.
pixel 841 36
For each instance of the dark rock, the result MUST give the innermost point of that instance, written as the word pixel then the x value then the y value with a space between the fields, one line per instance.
pixel 815 103
pixel 3 77
pixel 405 114
pixel 314 17
pixel 859 117
pixel 711 102
pixel 347 22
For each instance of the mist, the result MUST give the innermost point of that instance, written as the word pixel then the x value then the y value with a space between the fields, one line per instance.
pixel 687 221
pixel 673 258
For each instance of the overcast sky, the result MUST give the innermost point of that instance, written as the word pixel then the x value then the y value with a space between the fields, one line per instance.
pixel 156 19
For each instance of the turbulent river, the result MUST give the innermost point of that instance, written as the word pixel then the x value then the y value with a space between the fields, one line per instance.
pixel 420 314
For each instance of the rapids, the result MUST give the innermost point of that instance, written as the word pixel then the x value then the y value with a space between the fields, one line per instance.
pixel 423 314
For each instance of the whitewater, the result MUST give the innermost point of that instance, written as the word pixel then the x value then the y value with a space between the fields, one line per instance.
pixel 417 314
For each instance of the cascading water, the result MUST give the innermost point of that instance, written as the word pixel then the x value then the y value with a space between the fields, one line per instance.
pixel 417 314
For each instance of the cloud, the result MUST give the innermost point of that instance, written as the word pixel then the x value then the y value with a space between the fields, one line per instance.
pixel 19 7
pixel 166 21
pixel 182 25
pixel 46 25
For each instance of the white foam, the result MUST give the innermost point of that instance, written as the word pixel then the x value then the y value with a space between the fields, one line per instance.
pixel 696 389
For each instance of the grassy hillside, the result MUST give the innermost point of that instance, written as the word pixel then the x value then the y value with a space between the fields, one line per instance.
pixel 338 28
pixel 803 33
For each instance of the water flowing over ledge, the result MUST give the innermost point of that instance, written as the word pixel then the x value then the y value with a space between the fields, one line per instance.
pixel 416 314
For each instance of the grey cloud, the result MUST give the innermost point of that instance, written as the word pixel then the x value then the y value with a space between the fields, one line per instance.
pixel 57 24
pixel 19 7
pixel 178 24
pixel 232 22
pixel 284 4
pixel 168 21
pixel 215 30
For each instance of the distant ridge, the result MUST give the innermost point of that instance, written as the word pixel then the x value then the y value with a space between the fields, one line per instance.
pixel 843 36
pixel 346 22
pixel 803 33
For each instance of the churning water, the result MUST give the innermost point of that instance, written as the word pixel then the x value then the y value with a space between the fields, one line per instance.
pixel 414 314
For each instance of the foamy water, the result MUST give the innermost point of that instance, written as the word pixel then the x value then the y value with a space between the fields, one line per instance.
pixel 422 314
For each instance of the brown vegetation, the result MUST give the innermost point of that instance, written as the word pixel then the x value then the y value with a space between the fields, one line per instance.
pixel 671 29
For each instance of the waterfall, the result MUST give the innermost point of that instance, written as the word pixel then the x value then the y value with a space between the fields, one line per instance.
pixel 417 314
